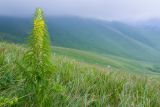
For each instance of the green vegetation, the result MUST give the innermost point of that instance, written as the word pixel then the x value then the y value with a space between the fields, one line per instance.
pixel 113 62
pixel 38 63
pixel 76 84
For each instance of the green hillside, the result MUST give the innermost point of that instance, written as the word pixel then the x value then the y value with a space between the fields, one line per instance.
pixel 78 81
pixel 72 61
pixel 114 63
pixel 101 37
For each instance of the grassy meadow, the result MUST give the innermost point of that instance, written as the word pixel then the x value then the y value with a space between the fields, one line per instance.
pixel 39 75
pixel 75 83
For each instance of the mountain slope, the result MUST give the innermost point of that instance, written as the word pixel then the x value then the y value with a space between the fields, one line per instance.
pixel 105 38
pixel 110 62
pixel 73 83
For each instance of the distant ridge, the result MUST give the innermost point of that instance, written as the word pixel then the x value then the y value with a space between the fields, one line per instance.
pixel 105 38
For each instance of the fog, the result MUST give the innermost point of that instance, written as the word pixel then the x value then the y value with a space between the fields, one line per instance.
pixel 124 10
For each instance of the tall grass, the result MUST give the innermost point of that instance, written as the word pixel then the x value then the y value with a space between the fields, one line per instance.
pixel 77 84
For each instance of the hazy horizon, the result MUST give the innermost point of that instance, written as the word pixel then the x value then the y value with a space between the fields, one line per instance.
pixel 122 10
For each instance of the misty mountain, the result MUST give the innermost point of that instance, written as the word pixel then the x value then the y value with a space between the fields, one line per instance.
pixel 103 37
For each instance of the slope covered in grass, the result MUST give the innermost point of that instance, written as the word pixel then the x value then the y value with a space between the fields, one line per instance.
pixel 108 61
pixel 76 84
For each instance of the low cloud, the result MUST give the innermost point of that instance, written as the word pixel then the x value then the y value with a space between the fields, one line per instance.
pixel 104 9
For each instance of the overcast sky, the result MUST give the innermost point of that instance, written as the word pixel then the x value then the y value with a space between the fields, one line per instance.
pixel 103 9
